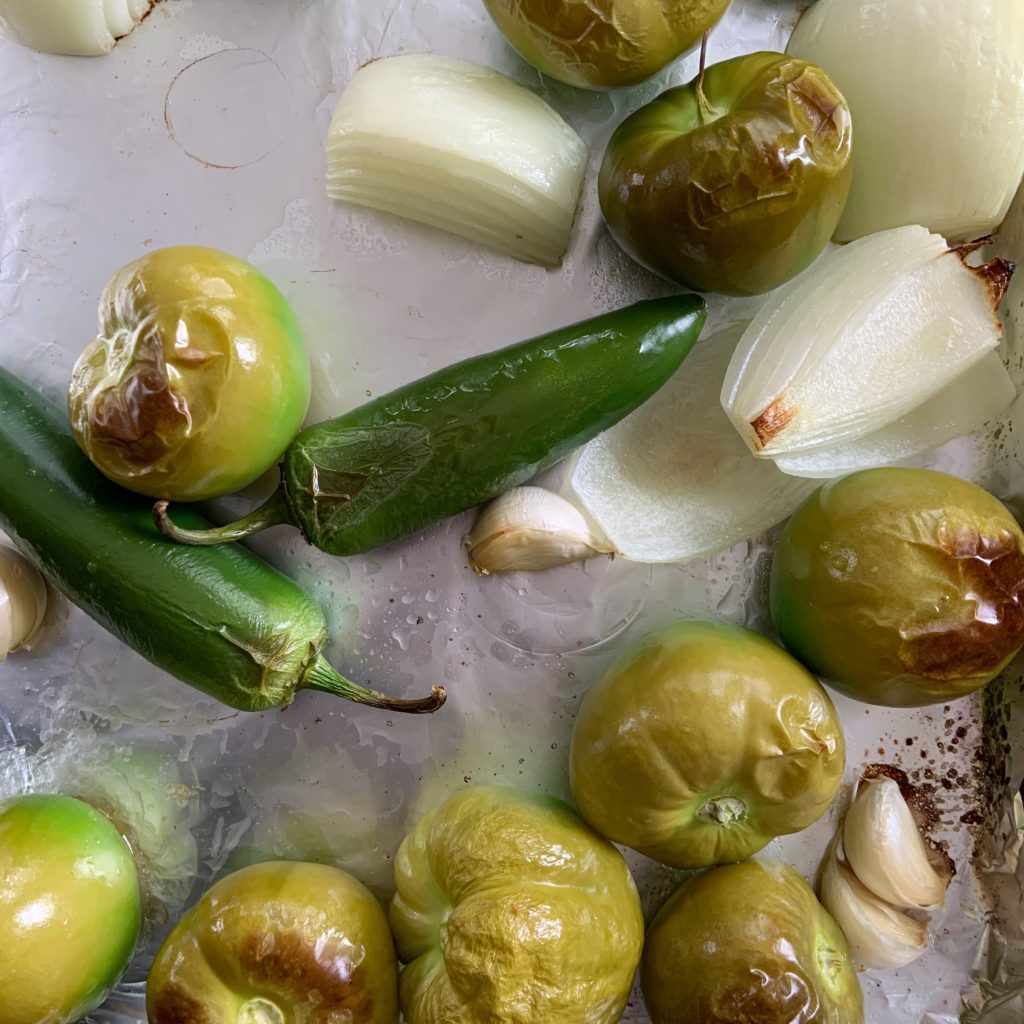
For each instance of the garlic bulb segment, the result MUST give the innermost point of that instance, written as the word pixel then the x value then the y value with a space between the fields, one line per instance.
pixel 867 335
pixel 885 849
pixel 528 529
pixel 461 148
pixel 82 28
pixel 880 936
pixel 23 600
pixel 936 91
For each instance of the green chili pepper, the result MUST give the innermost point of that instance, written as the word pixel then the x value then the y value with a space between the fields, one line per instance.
pixel 467 433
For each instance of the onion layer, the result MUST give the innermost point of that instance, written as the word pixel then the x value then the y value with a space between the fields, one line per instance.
pixel 81 28
pixel 459 147
pixel 936 90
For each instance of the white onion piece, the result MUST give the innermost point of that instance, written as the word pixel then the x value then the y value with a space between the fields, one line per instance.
pixel 23 600
pixel 960 408
pixel 907 325
pixel 459 147
pixel 139 9
pixel 936 90
pixel 673 480
pixel 119 18
pixel 74 27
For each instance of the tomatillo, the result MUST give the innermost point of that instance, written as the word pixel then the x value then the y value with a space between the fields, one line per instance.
pixel 735 182
pixel 69 909
pixel 702 744
pixel 901 587
pixel 748 942
pixel 198 379
pixel 510 910
pixel 278 943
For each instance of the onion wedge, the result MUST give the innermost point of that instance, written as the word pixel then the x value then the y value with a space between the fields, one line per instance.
pixel 461 148
pixel 673 480
pixel 80 28
pixel 936 90
pixel 815 370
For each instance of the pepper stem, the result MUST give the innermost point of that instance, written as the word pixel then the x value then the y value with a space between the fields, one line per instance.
pixel 323 676
pixel 273 512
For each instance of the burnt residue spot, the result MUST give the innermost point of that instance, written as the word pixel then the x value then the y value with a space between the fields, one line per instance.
pixel 173 1005
pixel 773 421
pixel 995 275
pixel 991 570
pixel 288 965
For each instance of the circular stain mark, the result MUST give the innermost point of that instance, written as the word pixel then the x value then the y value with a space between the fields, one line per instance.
pixel 229 109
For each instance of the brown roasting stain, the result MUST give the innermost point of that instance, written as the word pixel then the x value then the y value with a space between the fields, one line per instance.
pixel 173 1005
pixel 819 103
pixel 996 275
pixel 290 965
pixel 773 421
pixel 777 993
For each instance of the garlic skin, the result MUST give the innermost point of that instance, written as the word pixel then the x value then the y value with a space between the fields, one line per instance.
pixel 529 529
pixel 880 936
pixel 885 850
pixel 23 601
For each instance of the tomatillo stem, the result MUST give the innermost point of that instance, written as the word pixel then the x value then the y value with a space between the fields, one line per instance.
pixel 275 511
pixel 321 675
pixel 705 112
pixel 260 1011
pixel 725 811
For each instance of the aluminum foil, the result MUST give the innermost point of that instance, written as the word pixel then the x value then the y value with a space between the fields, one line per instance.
pixel 207 126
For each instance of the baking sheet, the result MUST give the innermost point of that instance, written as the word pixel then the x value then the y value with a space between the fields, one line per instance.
pixel 207 126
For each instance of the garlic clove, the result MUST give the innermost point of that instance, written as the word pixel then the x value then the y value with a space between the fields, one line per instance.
pixel 529 529
pixel 880 936
pixel 23 600
pixel 886 851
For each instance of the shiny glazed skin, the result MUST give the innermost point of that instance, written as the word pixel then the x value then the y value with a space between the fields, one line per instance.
pixel 901 587
pixel 69 909
pixel 198 379
pixel 737 195
pixel 702 744
pixel 748 943
pixel 603 46
pixel 278 943
pixel 510 910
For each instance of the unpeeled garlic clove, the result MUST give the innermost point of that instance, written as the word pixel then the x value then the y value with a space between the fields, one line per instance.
pixel 23 600
pixel 528 529
pixel 886 851
pixel 879 935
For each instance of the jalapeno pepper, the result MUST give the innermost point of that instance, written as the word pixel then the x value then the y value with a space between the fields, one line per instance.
pixel 467 433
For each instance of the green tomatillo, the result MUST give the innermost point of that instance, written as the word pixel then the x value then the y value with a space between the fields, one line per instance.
pixel 69 909
pixel 278 943
pixel 735 182
pixel 901 587
pixel 198 379
pixel 510 910
pixel 702 744
pixel 748 943
pixel 603 45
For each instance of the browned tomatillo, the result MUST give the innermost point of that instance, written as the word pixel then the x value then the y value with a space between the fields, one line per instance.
pixel 735 182
pixel 901 587
pixel 278 943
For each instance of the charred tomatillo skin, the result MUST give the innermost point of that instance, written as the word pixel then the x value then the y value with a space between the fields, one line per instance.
pixel 69 909
pixel 198 379
pixel 469 432
pixel 704 743
pixel 603 46
pixel 510 910
pixel 278 943
pixel 748 942
pixel 222 620
pixel 901 587
pixel 736 186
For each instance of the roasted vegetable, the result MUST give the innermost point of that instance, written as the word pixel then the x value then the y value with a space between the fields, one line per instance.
pixel 735 182
pixel 195 348
pixel 277 942
pixel 901 587
pixel 468 432
pixel 509 909
pixel 223 621
pixel 69 909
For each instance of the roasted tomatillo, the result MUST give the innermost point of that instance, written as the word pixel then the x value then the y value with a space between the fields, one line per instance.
pixel 197 380
pixel 902 587
pixel 278 943
pixel 510 910
pixel 735 182
pixel 748 943
pixel 702 744
pixel 69 909
pixel 605 45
